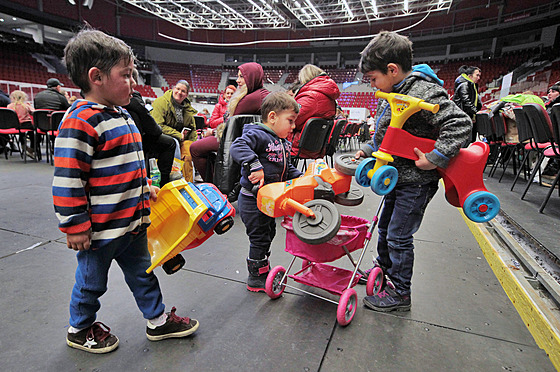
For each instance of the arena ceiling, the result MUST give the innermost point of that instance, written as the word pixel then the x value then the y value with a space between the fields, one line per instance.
pixel 279 14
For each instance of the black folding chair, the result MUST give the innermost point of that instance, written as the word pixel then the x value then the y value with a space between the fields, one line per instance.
pixel 313 140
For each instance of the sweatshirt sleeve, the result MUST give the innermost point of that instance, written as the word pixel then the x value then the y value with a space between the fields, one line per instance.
pixel 243 151
pixel 454 125
pixel 73 154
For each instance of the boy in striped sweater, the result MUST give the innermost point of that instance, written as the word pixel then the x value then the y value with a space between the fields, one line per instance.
pixel 102 195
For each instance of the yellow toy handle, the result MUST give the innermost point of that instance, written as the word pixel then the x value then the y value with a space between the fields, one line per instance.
pixel 402 107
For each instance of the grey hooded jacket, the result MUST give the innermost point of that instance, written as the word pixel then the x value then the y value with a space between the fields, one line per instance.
pixel 450 126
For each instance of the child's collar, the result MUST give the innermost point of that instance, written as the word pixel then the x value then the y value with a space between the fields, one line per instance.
pixel 267 128
pixel 398 85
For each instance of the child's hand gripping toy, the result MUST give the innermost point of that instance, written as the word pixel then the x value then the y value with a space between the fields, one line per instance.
pixel 462 178
pixel 184 216
pixel 310 199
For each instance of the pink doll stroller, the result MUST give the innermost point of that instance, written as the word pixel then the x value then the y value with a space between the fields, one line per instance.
pixel 354 233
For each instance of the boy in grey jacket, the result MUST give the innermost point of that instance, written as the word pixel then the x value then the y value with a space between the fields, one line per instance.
pixel 387 63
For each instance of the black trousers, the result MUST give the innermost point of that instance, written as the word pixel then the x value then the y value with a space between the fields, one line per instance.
pixel 162 148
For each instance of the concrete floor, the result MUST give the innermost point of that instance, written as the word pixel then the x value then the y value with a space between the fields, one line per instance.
pixel 461 318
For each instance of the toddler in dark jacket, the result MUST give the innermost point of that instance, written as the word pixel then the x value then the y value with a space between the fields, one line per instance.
pixel 264 154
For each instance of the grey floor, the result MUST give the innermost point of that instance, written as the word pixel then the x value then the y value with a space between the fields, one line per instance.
pixel 460 320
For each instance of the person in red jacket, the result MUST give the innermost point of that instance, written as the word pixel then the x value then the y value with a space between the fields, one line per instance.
pixel 220 109
pixel 247 99
pixel 317 97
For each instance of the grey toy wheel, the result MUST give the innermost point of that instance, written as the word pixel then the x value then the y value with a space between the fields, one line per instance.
pixel 320 229
pixel 351 198
pixel 347 164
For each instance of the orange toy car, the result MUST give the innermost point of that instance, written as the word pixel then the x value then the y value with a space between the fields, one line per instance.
pixel 310 199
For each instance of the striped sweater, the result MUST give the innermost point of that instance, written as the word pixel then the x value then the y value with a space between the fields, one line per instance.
pixel 99 178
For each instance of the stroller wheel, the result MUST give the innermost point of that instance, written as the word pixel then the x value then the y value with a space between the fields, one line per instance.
pixel 347 307
pixel 374 282
pixel 347 164
pixel 274 286
pixel 321 228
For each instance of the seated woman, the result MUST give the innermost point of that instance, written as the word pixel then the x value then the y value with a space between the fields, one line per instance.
pixel 220 109
pixel 317 96
pixel 153 139
pixel 24 111
pixel 173 113
pixel 247 99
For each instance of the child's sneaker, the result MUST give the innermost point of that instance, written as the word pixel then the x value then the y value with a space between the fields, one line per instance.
pixel 174 327
pixel 96 338
pixel 388 300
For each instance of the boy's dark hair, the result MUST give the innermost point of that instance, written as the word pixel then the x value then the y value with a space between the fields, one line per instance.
pixel 277 102
pixel 387 47
pixel 93 48
pixel 468 70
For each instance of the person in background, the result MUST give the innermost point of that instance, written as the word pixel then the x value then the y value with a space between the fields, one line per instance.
pixel 553 165
pixel 24 112
pixel 52 98
pixel 205 113
pixel 466 93
pixel 317 97
pixel 4 99
pixel 154 141
pixel 246 99
pixel 220 108
pixel 293 88
pixel 175 115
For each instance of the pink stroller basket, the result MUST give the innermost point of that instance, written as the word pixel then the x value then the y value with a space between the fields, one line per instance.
pixel 350 237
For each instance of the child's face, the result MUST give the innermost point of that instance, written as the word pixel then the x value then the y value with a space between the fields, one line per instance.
pixel 282 123
pixel 117 86
pixel 379 80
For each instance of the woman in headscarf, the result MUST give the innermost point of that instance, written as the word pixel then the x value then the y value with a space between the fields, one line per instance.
pixel 247 99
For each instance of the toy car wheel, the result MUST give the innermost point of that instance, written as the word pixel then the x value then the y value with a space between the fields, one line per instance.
pixel 361 173
pixel 384 180
pixel 351 198
pixel 347 164
pixel 223 226
pixel 481 206
pixel 347 307
pixel 274 286
pixel 374 281
pixel 321 228
pixel 173 265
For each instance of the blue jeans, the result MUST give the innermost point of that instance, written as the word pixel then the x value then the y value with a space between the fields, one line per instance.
pixel 132 255
pixel 260 228
pixel 401 217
